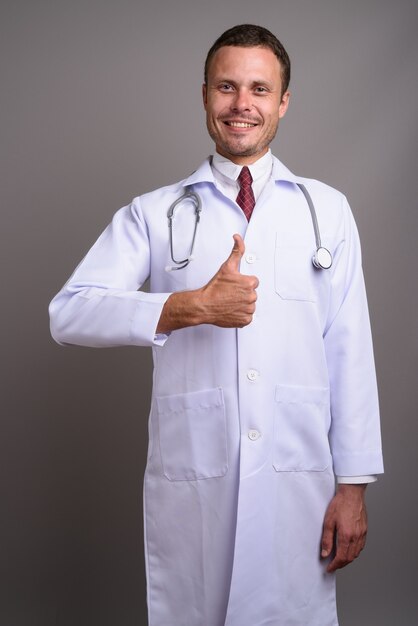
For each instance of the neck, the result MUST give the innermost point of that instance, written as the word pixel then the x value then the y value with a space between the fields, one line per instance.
pixel 241 159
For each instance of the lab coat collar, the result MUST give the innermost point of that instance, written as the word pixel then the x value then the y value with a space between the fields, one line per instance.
pixel 282 173
pixel 204 173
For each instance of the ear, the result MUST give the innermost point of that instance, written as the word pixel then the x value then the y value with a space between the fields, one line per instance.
pixel 284 104
pixel 204 95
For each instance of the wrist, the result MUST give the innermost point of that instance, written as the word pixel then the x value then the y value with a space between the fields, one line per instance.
pixel 352 489
pixel 182 309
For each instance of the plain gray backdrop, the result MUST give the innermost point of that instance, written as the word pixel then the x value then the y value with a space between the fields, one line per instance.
pixel 101 101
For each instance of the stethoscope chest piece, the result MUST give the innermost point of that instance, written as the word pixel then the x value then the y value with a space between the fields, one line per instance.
pixel 322 259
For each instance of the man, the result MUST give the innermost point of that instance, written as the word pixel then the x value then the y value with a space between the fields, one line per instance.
pixel 264 381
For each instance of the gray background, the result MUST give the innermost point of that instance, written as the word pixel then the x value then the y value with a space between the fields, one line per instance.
pixel 100 101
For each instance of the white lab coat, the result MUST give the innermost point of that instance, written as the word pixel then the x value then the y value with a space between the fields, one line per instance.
pixel 247 427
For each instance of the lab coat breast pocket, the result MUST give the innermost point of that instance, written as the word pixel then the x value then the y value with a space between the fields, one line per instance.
pixel 302 420
pixel 193 440
pixel 293 269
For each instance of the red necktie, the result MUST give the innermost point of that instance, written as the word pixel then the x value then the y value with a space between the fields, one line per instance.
pixel 245 197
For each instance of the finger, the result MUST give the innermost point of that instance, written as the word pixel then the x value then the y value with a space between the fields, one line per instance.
pixel 342 556
pixel 339 560
pixel 356 546
pixel 336 563
pixel 237 252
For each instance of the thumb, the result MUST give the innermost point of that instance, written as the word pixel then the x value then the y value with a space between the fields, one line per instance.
pixel 327 539
pixel 237 252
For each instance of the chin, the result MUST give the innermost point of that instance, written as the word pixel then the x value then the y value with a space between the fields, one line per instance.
pixel 241 150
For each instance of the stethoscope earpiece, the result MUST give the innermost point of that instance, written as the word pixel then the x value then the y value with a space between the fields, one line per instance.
pixel 195 200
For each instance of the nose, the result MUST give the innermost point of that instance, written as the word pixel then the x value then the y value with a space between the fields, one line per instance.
pixel 241 101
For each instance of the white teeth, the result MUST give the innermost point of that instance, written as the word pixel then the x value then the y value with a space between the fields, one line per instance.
pixel 241 124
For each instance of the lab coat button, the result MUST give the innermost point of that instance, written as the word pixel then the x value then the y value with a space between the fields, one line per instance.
pixel 250 257
pixel 252 375
pixel 254 434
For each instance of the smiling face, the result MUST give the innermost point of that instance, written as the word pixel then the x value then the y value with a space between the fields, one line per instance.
pixel 243 101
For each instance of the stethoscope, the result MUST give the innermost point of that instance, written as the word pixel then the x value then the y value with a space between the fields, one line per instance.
pixel 321 259
pixel 195 199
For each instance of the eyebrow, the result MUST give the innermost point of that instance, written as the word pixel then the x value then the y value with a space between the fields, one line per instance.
pixel 262 83
pixel 255 83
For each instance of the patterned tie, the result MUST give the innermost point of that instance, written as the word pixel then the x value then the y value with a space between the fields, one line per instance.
pixel 245 197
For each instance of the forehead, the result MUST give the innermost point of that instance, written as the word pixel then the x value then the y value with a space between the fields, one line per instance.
pixel 239 61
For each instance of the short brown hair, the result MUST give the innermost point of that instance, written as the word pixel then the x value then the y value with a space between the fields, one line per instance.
pixel 251 36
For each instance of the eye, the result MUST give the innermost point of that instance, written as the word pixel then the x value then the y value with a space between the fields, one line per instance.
pixel 225 87
pixel 260 89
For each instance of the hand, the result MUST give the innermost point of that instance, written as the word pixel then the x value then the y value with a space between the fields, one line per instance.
pixel 345 526
pixel 229 297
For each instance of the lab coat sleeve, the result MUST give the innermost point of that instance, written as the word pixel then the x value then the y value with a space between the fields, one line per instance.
pixel 355 425
pixel 100 305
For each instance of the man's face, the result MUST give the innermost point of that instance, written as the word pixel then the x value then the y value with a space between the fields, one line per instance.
pixel 243 101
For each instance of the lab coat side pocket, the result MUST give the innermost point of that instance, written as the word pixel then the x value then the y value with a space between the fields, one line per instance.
pixel 302 420
pixel 193 438
pixel 293 270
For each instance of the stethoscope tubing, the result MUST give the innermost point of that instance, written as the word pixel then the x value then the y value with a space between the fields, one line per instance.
pixel 322 258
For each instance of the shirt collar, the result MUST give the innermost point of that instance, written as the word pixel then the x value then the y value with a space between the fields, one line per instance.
pixel 204 173
pixel 261 167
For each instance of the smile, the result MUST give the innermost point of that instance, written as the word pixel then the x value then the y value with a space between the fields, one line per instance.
pixel 240 124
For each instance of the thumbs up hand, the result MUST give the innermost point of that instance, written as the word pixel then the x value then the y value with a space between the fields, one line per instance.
pixel 228 299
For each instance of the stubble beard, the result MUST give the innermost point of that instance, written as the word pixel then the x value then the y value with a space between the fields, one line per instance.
pixel 233 147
